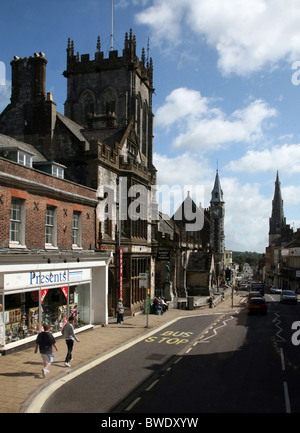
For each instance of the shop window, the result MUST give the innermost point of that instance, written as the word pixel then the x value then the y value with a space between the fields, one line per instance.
pixel 79 304
pixel 51 226
pixel 21 315
pixel 17 222
pixel 76 229
pixel 60 303
pixel 54 307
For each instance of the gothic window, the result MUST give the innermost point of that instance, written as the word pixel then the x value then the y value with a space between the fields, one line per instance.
pixel 88 101
pixel 138 117
pixel 145 129
pixel 109 101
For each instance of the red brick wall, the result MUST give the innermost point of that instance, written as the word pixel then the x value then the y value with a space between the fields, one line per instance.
pixel 37 196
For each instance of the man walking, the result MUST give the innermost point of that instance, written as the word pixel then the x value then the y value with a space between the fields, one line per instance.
pixel 69 336
pixel 45 341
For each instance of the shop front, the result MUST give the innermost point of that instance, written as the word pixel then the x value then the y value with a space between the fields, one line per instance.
pixel 48 292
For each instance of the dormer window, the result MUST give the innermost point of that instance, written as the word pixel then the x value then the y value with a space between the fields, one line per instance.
pixel 24 158
pixel 57 171
pixel 18 155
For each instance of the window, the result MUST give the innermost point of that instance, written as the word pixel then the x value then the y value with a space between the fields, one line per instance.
pixel 17 222
pixel 51 227
pixel 21 316
pixel 24 159
pixel 57 171
pixel 107 221
pixel 76 229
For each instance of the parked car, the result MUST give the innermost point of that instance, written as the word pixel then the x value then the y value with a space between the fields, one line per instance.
pixel 288 297
pixel 255 294
pixel 257 305
pixel 275 290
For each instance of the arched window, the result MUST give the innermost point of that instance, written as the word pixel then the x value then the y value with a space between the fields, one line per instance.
pixel 138 117
pixel 145 129
pixel 87 100
pixel 109 101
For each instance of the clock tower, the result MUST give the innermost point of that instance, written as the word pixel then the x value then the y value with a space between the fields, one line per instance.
pixel 217 215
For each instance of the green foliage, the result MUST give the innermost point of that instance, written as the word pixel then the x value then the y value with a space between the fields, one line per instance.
pixel 246 257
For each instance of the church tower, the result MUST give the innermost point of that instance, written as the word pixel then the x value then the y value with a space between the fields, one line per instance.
pixel 217 216
pixel 111 92
pixel 278 229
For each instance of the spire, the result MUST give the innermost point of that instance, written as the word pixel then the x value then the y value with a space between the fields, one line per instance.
pixel 277 220
pixel 217 193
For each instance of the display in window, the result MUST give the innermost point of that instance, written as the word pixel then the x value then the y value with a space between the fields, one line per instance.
pixel 21 317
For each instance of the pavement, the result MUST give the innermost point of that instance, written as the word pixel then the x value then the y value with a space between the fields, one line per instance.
pixel 21 372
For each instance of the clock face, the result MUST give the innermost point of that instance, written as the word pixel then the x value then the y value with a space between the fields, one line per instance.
pixel 217 211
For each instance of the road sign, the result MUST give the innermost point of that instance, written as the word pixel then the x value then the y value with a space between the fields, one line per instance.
pixel 143 280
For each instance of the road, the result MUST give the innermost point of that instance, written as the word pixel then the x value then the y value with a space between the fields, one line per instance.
pixel 229 363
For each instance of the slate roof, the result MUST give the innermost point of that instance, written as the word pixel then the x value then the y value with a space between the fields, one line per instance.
pixel 9 142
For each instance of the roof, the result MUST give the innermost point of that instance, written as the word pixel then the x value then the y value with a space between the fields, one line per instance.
pixel 7 142
pixel 217 193
pixel 72 126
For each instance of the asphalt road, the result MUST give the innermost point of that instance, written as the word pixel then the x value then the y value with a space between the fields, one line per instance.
pixel 233 363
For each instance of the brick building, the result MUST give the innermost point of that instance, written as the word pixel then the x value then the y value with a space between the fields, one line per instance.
pixel 49 267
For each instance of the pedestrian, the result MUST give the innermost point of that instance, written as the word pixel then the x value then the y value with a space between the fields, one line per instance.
pixel 44 342
pixel 69 336
pixel 120 311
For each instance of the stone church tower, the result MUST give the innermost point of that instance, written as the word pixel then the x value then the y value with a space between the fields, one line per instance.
pixel 279 231
pixel 217 216
pixel 108 93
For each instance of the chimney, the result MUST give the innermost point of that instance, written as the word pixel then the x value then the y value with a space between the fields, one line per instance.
pixel 28 79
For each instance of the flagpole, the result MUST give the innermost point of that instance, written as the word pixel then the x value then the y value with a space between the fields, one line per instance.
pixel 112 26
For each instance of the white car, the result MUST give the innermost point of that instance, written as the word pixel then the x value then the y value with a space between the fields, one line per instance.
pixel 275 289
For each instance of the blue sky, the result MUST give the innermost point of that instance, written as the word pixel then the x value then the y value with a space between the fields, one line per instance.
pixel 226 92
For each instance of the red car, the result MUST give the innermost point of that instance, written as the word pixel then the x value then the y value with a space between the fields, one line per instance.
pixel 257 305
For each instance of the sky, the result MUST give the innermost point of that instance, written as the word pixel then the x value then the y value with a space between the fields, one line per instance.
pixel 226 78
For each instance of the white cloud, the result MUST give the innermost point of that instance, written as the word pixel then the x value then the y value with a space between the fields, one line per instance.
pixel 201 126
pixel 291 195
pixel 184 169
pixel 248 35
pixel 285 158
pixel 246 216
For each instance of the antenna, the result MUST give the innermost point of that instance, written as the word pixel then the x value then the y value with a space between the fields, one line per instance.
pixel 112 26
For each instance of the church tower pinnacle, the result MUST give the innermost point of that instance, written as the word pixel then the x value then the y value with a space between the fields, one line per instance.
pixel 277 222
pixel 217 216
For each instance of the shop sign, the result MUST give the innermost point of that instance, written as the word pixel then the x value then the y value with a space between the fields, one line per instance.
pixel 295 252
pixel 163 255
pixel 121 272
pixel 32 279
